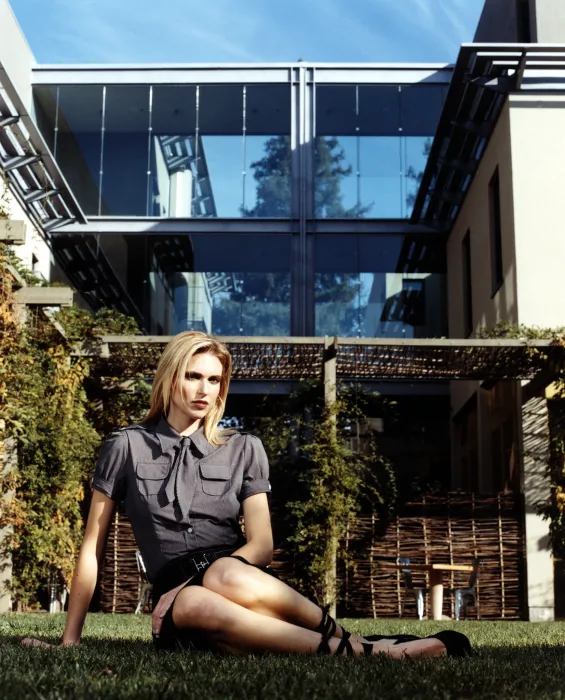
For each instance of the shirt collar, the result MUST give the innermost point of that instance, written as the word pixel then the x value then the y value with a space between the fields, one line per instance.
pixel 168 437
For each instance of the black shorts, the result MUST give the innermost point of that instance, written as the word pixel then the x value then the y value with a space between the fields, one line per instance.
pixel 187 639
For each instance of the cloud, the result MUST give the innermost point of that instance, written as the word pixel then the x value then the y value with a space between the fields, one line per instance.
pixel 448 22
pixel 166 31
pixel 187 31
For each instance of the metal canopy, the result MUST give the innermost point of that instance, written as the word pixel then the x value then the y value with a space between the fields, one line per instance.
pixel 33 174
pixel 363 359
pixel 89 271
pixel 483 76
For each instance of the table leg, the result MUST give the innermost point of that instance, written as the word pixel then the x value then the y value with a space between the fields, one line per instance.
pixel 436 589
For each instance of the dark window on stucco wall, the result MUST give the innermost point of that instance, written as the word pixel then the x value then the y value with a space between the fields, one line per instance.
pixel 495 231
pixel 523 21
pixel 467 287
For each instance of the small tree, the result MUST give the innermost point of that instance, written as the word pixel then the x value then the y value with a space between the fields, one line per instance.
pixel 326 482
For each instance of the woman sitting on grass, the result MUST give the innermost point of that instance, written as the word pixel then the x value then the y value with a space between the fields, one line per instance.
pixel 184 483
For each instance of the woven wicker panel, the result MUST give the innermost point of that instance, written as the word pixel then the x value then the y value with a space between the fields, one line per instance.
pixel 451 529
pixel 120 582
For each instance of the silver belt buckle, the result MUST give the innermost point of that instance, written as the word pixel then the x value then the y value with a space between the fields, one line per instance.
pixel 202 564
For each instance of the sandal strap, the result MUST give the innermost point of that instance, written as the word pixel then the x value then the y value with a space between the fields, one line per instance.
pixel 328 626
pixel 344 647
pixel 322 626
pixel 324 647
pixel 367 648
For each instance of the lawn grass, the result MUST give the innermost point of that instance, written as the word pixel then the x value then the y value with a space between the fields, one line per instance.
pixel 117 660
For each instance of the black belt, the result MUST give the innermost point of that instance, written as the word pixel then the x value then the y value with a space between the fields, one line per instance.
pixel 183 568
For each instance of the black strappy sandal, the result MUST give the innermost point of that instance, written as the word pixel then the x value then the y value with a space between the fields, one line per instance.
pixel 328 626
pixel 456 643
pixel 344 648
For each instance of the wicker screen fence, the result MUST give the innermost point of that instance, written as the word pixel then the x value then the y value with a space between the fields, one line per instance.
pixel 446 529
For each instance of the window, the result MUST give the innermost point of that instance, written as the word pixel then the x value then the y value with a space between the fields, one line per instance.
pixel 467 445
pixel 371 148
pixel 495 232
pixel 467 288
pixel 379 286
pixel 523 21
pixel 233 284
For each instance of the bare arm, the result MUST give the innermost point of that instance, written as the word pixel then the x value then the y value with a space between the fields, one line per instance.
pixel 259 546
pixel 86 570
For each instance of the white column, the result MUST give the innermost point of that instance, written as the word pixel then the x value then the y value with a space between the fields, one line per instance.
pixel 180 194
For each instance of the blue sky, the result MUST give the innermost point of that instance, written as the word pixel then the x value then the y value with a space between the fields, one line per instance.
pixel 209 31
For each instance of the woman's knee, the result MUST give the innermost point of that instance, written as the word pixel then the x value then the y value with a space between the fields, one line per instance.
pixel 196 607
pixel 230 577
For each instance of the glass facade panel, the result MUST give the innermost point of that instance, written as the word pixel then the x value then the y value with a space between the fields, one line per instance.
pixel 371 146
pixel 126 149
pixel 174 187
pixel 195 151
pixel 224 151
pixel 220 129
pixel 267 158
pixel 386 285
pixel 223 284
pixel 70 119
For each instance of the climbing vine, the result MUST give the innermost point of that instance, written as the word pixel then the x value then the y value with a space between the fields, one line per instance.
pixel 52 414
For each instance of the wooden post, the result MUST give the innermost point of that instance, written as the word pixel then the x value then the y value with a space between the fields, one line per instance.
pixel 330 396
pixel 330 374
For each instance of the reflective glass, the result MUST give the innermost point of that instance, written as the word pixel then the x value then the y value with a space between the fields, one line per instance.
pixel 389 285
pixel 224 284
pixel 420 107
pixel 45 111
pixel 70 119
pixel 221 164
pixel 173 188
pixel 126 149
pixel 371 146
pixel 267 156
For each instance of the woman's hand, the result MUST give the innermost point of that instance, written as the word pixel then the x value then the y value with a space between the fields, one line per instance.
pixel 164 603
pixel 32 642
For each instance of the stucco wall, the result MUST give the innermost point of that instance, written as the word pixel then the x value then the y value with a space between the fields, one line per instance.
pixel 15 54
pixel 537 126
pixel 475 217
pixel 529 150
pixel 548 26
pixel 498 22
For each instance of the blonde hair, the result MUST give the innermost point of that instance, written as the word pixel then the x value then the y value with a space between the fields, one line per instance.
pixel 172 367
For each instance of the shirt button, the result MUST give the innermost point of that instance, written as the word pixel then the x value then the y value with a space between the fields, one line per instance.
pixel 189 529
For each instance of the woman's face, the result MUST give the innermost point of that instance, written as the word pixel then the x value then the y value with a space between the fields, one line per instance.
pixel 196 393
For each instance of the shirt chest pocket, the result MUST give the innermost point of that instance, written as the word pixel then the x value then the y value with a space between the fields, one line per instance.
pixel 151 477
pixel 215 479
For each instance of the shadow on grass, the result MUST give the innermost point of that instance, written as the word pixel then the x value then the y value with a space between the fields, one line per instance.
pixel 91 643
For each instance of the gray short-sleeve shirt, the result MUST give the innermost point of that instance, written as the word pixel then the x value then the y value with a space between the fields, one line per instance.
pixel 180 494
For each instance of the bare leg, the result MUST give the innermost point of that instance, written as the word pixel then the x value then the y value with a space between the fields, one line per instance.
pixel 255 590
pixel 236 629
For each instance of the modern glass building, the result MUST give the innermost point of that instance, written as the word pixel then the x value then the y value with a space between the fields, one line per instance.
pixel 369 201
pixel 250 200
